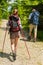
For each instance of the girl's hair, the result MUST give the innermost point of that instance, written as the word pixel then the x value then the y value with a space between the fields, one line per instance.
pixel 15 11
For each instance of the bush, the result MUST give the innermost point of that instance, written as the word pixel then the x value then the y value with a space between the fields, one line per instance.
pixel 40 35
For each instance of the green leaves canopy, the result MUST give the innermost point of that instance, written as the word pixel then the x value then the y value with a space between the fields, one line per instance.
pixel 24 7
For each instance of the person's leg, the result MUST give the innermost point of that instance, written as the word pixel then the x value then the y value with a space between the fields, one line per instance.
pixel 30 30
pixel 15 44
pixel 35 32
pixel 15 48
pixel 14 40
pixel 12 45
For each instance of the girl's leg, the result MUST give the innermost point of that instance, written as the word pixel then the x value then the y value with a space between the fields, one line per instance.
pixel 12 45
pixel 15 48
pixel 15 44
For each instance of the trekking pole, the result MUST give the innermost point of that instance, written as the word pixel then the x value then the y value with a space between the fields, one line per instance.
pixel 27 48
pixel 26 45
pixel 4 40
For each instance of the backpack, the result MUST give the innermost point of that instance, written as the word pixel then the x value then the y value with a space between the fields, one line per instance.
pixel 14 25
pixel 31 19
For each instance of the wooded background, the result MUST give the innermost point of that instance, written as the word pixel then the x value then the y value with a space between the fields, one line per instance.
pixel 24 8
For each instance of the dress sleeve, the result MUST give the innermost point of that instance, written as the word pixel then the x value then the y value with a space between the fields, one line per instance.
pixel 19 22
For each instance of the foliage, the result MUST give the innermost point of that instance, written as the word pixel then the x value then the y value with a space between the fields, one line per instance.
pixel 3 8
pixel 24 8
pixel 40 35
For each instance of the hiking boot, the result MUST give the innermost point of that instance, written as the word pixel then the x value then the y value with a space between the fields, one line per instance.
pixel 29 38
pixel 14 56
pixel 34 40
pixel 10 57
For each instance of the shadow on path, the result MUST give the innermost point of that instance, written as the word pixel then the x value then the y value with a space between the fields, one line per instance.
pixel 6 55
pixel 24 39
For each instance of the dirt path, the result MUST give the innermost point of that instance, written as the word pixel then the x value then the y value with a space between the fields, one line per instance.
pixel 35 50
